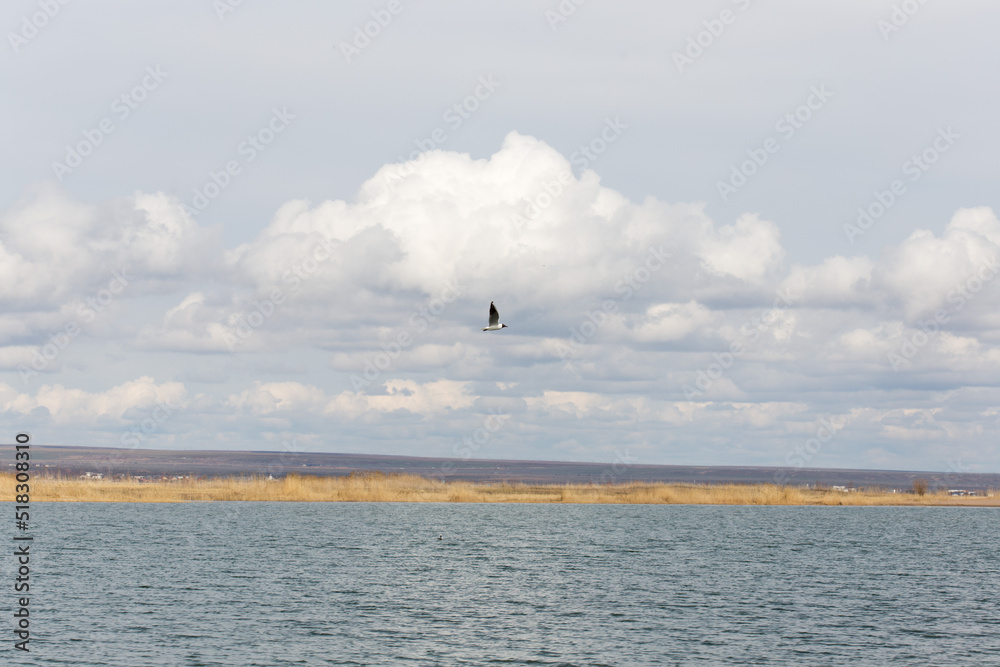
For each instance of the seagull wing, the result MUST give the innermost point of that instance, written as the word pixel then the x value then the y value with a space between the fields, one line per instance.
pixel 494 315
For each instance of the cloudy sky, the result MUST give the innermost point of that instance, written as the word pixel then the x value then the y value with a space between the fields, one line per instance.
pixel 729 232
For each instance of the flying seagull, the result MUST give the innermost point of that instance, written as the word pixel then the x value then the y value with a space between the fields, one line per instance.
pixel 494 319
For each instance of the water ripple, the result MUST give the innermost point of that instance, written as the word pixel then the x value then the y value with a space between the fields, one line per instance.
pixel 371 584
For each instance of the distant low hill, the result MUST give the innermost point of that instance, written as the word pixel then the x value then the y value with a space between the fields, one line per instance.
pixel 74 461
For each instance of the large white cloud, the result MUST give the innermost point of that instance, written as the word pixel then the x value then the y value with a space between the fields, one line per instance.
pixel 645 325
pixel 926 273
pixel 53 248
pixel 519 223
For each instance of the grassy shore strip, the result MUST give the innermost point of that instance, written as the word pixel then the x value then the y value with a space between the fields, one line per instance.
pixel 377 487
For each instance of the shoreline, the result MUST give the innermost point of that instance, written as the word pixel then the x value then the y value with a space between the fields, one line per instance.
pixel 381 487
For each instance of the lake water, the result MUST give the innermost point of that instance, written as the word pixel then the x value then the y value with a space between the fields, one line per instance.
pixel 371 584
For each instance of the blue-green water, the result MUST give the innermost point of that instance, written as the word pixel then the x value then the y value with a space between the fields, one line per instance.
pixel 371 584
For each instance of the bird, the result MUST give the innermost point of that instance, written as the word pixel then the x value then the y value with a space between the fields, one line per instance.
pixel 494 319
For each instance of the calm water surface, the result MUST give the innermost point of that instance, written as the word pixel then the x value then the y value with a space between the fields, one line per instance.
pixel 371 584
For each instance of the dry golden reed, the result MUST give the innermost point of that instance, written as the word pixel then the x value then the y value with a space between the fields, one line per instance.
pixel 379 487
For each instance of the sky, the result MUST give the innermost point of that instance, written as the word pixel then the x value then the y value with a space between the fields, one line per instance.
pixel 721 233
